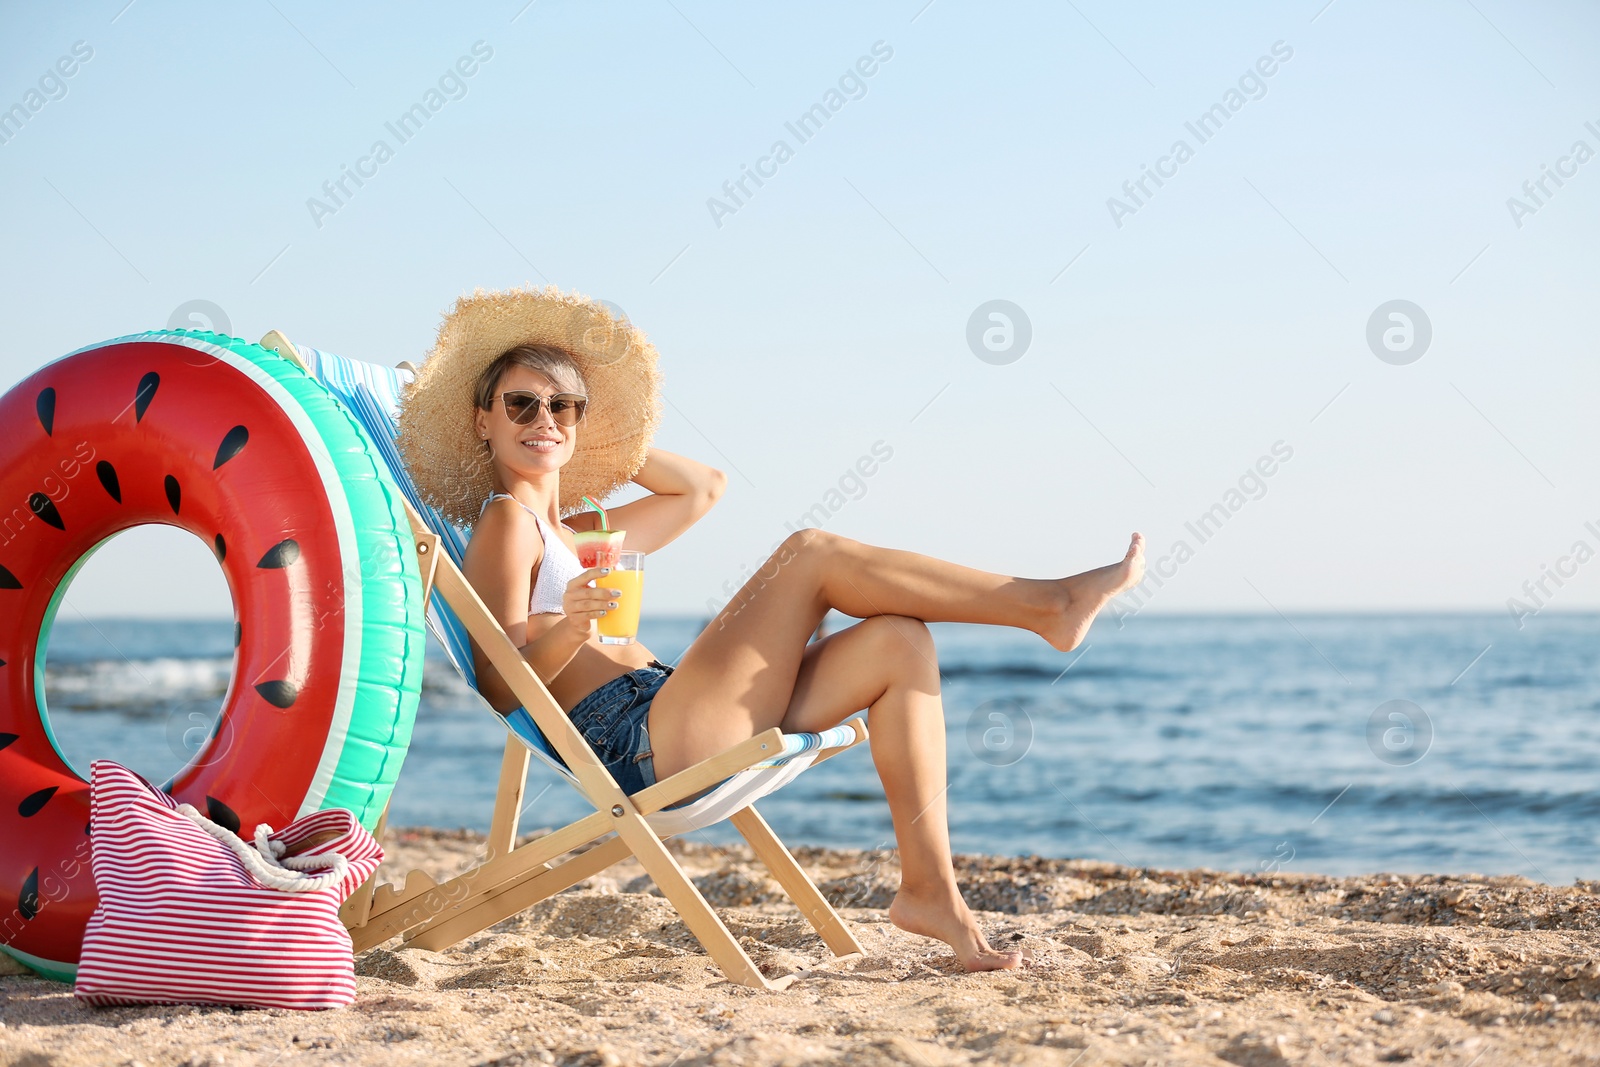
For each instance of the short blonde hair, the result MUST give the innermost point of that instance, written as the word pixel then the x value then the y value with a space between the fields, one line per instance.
pixel 548 360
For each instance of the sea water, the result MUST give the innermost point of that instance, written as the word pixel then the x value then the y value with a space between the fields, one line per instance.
pixel 1338 744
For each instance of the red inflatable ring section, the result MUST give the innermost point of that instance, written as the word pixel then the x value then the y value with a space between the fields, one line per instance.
pixel 158 431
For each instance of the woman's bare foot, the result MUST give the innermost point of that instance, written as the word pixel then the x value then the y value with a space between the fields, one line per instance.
pixel 1083 595
pixel 943 915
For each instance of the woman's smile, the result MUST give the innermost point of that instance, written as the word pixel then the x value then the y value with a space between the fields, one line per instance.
pixel 541 444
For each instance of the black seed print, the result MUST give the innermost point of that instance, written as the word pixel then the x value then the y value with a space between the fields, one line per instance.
pixel 8 580
pixel 231 445
pixel 238 632
pixel 28 901
pixel 174 492
pixel 221 548
pixel 144 394
pixel 6 739
pixel 221 814
pixel 280 694
pixel 45 405
pixel 34 801
pixel 108 478
pixel 45 508
pixel 281 554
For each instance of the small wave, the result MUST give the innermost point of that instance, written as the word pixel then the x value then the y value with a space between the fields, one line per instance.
pixel 1435 800
pixel 1019 672
pixel 1033 672
pixel 1584 805
pixel 1516 681
pixel 122 684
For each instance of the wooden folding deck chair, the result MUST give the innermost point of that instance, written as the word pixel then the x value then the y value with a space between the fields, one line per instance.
pixel 436 915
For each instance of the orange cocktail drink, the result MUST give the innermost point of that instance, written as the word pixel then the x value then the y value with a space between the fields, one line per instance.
pixel 620 625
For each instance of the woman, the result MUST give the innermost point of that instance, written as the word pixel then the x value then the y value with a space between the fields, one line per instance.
pixel 561 402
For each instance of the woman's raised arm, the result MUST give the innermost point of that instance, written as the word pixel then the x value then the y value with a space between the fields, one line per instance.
pixel 682 491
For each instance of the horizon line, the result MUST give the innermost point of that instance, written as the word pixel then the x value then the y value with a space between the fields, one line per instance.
pixel 680 616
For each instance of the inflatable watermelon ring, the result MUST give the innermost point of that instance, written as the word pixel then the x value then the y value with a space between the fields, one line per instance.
pixel 243 449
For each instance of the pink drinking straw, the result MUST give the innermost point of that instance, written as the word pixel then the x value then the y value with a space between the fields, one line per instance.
pixel 603 524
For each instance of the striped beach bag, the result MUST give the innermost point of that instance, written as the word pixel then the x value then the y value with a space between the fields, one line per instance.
pixel 189 913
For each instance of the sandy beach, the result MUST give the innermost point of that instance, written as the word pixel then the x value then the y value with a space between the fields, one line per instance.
pixel 1129 966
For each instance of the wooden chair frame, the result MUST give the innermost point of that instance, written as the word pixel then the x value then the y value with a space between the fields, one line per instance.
pixel 434 915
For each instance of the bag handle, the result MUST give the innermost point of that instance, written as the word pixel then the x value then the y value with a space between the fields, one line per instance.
pixel 267 862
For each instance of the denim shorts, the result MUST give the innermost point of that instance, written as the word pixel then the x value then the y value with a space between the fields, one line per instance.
pixel 612 719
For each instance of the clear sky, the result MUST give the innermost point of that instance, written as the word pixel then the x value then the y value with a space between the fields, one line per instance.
pixel 1353 153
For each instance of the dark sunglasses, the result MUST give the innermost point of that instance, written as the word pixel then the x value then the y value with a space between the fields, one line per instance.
pixel 522 406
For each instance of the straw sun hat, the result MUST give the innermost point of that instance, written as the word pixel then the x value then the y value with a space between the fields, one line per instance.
pixel 439 441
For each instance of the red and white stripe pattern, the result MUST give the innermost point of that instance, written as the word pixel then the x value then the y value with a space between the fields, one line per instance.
pixel 182 920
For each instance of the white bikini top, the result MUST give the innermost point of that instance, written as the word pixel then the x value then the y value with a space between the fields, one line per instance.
pixel 559 566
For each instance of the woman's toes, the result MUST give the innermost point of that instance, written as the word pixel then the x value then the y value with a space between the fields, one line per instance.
pixel 991 960
pixel 947 918
pixel 1083 595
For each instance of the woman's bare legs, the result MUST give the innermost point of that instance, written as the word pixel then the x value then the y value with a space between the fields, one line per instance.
pixel 737 677
pixel 741 675
pixel 888 665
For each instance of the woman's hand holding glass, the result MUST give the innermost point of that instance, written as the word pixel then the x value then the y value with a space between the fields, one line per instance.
pixel 583 603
